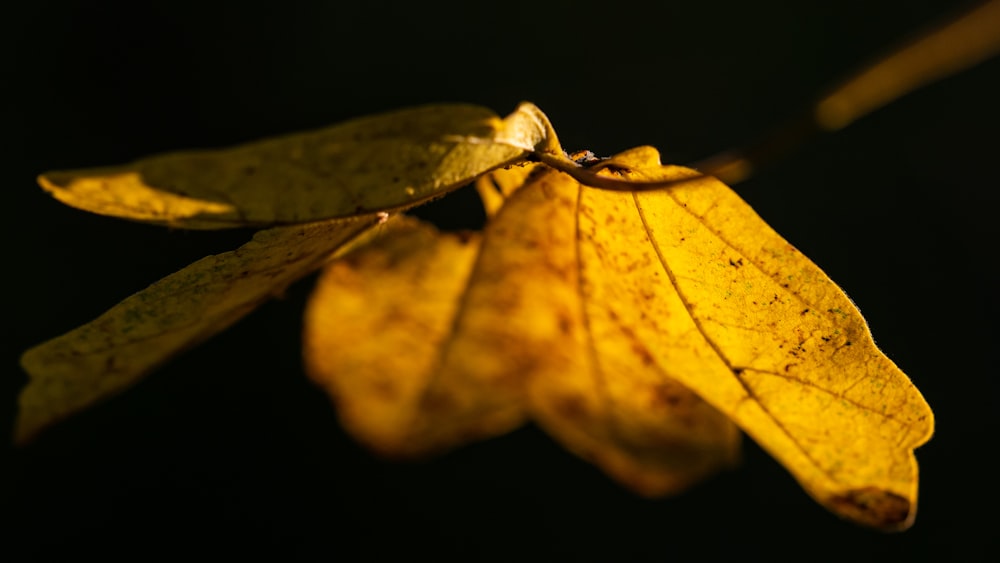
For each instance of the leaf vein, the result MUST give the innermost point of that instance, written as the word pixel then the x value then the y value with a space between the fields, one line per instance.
pixel 756 264
pixel 715 348
pixel 838 395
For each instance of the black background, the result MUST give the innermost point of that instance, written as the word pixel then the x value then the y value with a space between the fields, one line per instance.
pixel 229 451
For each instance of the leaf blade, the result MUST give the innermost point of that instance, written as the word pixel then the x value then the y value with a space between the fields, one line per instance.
pixel 788 345
pixel 403 394
pixel 375 163
pixel 105 356
pixel 512 338
pixel 590 389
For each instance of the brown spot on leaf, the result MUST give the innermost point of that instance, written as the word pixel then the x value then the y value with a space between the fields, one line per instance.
pixel 565 322
pixel 667 396
pixel 644 354
pixel 571 406
pixel 875 507
pixel 384 389
pixel 438 402
pixel 465 237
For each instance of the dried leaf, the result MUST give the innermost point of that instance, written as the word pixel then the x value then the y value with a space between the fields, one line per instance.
pixel 599 311
pixel 384 162
pixel 759 331
pixel 100 358
pixel 485 335
pixel 404 392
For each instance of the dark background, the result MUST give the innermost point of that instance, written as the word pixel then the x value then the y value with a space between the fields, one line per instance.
pixel 229 451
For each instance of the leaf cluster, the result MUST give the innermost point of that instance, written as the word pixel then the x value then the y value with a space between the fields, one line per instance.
pixel 642 314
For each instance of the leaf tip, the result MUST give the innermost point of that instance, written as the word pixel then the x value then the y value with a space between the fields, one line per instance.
pixel 876 508
pixel 48 181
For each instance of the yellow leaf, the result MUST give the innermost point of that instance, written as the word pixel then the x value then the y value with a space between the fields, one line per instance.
pixel 383 162
pixel 602 311
pixel 99 359
pixel 380 336
pixel 759 331
pixel 494 189
pixel 604 399
pixel 470 339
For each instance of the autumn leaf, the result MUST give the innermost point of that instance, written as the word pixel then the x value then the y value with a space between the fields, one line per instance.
pixel 629 326
pixel 99 359
pixel 491 335
pixel 780 348
pixel 405 289
pixel 379 163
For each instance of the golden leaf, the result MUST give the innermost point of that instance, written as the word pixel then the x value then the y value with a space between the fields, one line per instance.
pixel 759 331
pixel 378 323
pixel 624 324
pixel 476 353
pixel 384 162
pixel 102 357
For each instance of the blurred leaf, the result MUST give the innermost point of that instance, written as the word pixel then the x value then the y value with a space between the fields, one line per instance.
pixel 947 48
pixel 951 47
pixel 375 335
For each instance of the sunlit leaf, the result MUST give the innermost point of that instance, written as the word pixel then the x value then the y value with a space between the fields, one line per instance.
pixel 100 358
pixel 491 334
pixel 383 162
pixel 606 315
pixel 759 331
pixel 405 392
